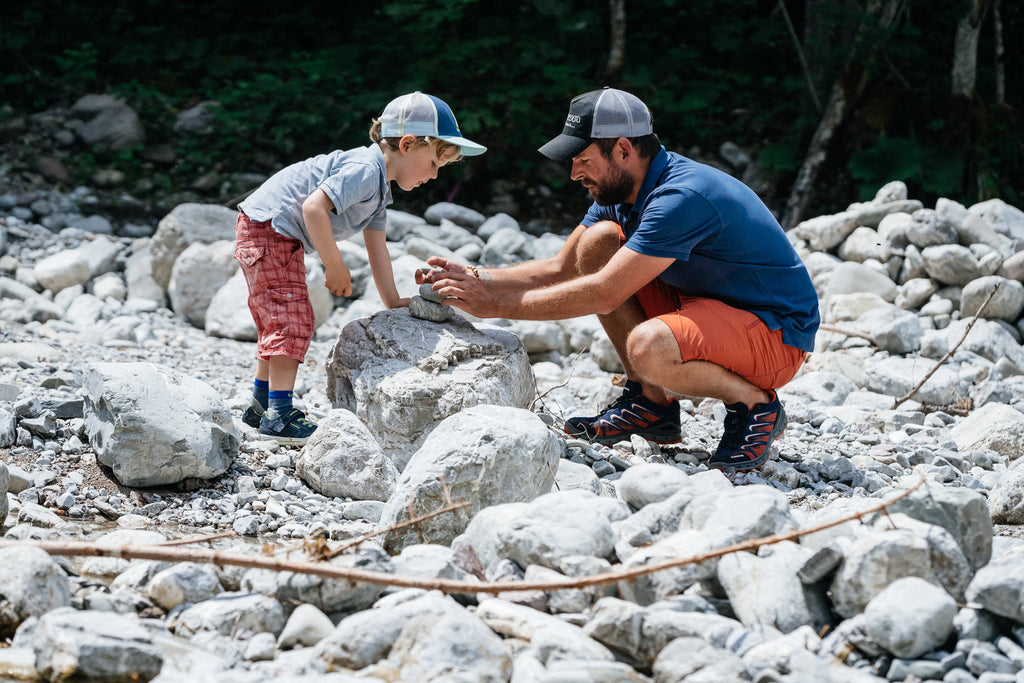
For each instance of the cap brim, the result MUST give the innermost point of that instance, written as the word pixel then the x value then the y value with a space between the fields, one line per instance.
pixel 564 147
pixel 467 148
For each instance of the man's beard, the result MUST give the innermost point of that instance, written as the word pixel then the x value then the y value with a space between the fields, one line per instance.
pixel 615 191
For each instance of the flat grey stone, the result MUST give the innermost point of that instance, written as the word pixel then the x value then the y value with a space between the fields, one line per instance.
pixel 429 310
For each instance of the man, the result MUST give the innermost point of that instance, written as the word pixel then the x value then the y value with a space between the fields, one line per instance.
pixel 693 279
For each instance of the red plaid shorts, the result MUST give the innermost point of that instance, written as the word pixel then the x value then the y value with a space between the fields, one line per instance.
pixel 275 271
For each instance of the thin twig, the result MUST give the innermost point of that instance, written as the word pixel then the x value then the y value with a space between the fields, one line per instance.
pixel 953 350
pixel 200 539
pixel 572 370
pixel 848 333
pixel 451 507
pixel 351 574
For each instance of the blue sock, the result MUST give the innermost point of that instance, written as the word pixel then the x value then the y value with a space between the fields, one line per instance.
pixel 280 401
pixel 260 390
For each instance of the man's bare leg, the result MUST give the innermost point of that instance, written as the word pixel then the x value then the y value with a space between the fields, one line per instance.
pixel 654 354
pixel 598 244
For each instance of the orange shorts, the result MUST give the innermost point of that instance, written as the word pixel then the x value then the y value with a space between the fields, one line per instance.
pixel 709 330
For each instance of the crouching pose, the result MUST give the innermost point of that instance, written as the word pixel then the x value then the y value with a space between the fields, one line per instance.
pixel 693 279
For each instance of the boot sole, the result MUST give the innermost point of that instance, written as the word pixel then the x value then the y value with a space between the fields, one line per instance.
pixel 624 436
pixel 286 440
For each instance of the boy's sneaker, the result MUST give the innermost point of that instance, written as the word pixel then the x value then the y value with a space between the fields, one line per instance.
pixel 253 414
pixel 289 429
pixel 748 434
pixel 632 413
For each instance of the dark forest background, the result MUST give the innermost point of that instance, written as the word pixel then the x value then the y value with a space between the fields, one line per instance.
pixel 831 98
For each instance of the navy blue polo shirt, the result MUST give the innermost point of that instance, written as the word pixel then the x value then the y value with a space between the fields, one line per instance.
pixel 726 244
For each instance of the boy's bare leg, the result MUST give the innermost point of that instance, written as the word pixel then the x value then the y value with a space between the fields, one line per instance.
pixel 281 373
pixel 262 370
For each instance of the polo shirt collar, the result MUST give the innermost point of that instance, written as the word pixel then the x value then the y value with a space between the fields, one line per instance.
pixel 654 171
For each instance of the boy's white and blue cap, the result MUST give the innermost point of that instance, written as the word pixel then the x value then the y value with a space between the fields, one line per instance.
pixel 421 114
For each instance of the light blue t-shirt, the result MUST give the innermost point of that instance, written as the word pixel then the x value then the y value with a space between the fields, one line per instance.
pixel 355 180
pixel 726 244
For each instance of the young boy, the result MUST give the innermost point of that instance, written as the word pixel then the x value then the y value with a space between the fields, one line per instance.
pixel 306 207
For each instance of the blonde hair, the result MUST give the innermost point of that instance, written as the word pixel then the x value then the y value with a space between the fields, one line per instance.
pixel 446 151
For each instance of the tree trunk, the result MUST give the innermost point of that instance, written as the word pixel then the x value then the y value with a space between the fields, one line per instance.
pixel 843 94
pixel 997 26
pixel 617 49
pixel 965 49
pixel 808 76
pixel 821 33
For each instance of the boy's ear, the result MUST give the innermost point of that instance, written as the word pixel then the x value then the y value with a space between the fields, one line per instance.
pixel 406 143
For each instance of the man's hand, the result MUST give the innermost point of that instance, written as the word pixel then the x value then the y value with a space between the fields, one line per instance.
pixel 338 279
pixel 469 293
pixel 441 267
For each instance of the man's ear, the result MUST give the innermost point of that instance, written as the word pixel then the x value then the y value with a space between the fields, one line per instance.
pixel 623 148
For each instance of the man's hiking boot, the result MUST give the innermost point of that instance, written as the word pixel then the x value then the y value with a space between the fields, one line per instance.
pixel 288 429
pixel 749 433
pixel 632 413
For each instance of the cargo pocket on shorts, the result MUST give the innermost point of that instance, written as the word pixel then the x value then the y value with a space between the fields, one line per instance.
pixel 249 256
pixel 292 309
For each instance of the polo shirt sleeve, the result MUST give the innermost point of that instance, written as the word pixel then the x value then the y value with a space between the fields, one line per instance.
pixel 350 185
pixel 379 220
pixel 598 213
pixel 673 223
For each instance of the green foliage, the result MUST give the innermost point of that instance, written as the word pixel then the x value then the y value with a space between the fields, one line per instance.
pixel 935 170
pixel 888 159
pixel 77 65
pixel 307 78
pixel 780 156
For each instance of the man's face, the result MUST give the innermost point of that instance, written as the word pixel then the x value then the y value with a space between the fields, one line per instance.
pixel 607 181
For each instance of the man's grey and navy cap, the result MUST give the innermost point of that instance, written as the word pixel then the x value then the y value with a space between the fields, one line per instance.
pixel 605 113
pixel 421 114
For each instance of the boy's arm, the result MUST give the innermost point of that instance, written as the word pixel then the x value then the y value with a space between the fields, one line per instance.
pixel 315 214
pixel 380 266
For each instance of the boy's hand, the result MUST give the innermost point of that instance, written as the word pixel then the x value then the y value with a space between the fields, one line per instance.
pixel 338 279
pixel 401 303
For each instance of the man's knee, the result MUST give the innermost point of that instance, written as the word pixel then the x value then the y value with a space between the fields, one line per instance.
pixel 651 345
pixel 597 245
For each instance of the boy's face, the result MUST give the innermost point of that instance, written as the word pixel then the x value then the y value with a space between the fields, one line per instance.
pixel 416 164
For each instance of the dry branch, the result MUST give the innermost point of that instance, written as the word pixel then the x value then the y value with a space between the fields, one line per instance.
pixel 879 14
pixel 451 506
pixel 353 575
pixel 848 333
pixel 200 539
pixel 949 354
